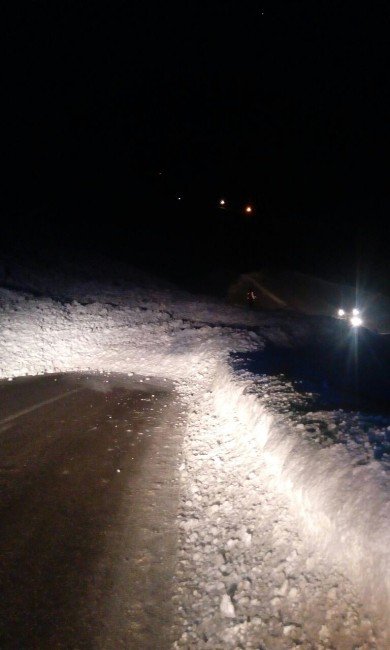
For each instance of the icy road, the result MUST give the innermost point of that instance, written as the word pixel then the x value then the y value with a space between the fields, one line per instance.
pixel 88 505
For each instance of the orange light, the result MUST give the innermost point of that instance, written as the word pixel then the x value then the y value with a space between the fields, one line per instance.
pixel 248 209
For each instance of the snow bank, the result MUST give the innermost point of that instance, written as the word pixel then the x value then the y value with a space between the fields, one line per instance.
pixel 344 505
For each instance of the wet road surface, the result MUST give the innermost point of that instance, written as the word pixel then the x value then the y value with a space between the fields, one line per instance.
pixel 88 499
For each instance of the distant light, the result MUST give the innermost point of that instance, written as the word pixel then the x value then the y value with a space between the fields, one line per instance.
pixel 355 312
pixel 179 198
pixel 248 209
pixel 222 202
pixel 341 313
pixel 356 321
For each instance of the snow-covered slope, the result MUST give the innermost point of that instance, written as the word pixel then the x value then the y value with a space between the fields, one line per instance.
pixel 284 520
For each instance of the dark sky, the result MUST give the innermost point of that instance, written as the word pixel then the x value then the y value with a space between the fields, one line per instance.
pixel 283 104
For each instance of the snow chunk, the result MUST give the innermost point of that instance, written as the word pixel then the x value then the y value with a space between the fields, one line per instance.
pixel 246 537
pixel 227 607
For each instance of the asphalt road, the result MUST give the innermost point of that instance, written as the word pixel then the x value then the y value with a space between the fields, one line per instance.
pixel 88 499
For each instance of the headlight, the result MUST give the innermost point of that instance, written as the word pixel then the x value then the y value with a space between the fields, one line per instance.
pixel 341 313
pixel 356 321
pixel 355 312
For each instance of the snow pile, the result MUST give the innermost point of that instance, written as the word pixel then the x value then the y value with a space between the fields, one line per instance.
pixel 343 503
pixel 284 535
pixel 248 575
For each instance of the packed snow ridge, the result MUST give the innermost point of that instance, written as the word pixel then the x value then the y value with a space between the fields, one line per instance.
pixel 284 534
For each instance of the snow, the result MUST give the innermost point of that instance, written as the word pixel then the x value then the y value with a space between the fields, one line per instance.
pixel 284 516
pixel 227 607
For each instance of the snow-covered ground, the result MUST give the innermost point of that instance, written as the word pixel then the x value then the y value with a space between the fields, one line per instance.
pixel 285 509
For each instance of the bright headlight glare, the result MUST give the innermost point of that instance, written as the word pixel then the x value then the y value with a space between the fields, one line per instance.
pixel 356 321
pixel 341 312
pixel 355 312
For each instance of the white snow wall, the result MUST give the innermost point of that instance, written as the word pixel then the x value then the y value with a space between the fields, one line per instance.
pixel 344 507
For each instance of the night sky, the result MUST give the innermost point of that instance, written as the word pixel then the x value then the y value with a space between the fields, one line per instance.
pixel 116 109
